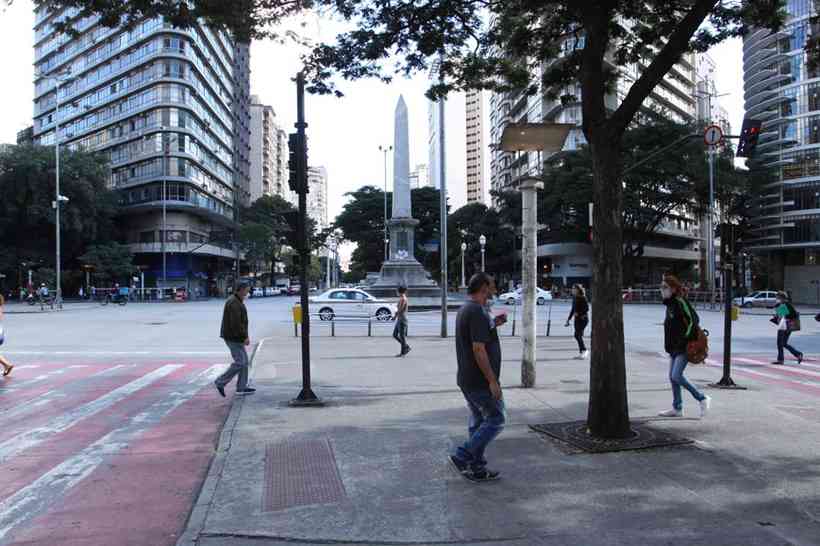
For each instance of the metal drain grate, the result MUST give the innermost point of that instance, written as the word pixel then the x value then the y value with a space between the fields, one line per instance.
pixel 301 473
pixel 575 434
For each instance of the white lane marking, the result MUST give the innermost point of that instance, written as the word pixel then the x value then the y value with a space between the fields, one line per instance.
pixel 744 369
pixel 34 380
pixel 49 488
pixel 48 397
pixel 31 438
pixel 79 366
pixel 796 368
pixel 112 353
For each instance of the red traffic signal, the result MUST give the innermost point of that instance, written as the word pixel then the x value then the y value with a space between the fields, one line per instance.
pixel 748 137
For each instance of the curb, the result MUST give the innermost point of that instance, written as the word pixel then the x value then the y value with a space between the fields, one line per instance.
pixel 195 522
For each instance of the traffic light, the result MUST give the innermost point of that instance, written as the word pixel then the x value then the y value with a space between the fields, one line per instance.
pixel 748 138
pixel 293 161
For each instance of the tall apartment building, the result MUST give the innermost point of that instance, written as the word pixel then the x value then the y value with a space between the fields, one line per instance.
pixel 677 242
pixel 317 197
pixel 269 153
pixel 474 114
pixel 169 108
pixel 783 91
pixel 419 177
pixel 435 124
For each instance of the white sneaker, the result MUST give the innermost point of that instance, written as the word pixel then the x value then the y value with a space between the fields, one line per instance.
pixel 584 355
pixel 705 405
pixel 671 413
pixel 578 357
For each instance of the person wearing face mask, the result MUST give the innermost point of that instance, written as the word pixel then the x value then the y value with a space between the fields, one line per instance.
pixel 678 330
pixel 784 313
pixel 580 310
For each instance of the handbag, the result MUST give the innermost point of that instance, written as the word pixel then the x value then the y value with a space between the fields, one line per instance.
pixel 793 325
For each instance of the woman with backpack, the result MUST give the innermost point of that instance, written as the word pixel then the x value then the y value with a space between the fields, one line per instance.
pixel 580 311
pixel 784 316
pixel 679 327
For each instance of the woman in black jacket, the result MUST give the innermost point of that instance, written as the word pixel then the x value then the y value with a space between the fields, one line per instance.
pixel 678 330
pixel 580 310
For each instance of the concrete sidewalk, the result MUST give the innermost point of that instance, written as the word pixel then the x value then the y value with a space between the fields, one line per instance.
pixel 370 467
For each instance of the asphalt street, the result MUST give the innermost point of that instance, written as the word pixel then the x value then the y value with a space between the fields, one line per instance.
pixel 110 419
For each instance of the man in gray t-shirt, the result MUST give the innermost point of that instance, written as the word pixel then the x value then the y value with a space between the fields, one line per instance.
pixel 478 351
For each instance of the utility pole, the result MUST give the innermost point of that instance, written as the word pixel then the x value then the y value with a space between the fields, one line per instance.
pixel 443 214
pixel 306 397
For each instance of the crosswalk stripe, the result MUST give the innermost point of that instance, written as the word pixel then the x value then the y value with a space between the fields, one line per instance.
pixel 33 381
pixel 36 498
pixel 777 367
pixel 49 396
pixel 30 438
pixel 747 370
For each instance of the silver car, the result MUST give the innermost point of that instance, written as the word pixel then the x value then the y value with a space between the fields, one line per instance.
pixel 350 302
pixel 762 298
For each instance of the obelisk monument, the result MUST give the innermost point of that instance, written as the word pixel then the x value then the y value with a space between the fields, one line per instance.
pixel 402 268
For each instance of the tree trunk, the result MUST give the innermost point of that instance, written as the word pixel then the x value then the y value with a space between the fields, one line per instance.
pixel 608 414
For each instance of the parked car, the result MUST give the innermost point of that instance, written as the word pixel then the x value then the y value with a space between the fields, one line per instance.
pixel 257 292
pixel 514 297
pixel 762 298
pixel 294 290
pixel 349 301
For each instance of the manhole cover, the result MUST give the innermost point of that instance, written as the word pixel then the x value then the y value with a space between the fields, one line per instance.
pixel 300 473
pixel 575 434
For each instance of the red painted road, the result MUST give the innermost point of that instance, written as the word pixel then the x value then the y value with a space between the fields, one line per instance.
pixel 758 368
pixel 105 453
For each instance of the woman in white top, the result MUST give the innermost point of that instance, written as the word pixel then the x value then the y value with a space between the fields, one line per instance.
pixel 7 366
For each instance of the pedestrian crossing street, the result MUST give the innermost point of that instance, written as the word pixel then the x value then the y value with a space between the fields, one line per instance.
pixel 105 453
pixel 803 377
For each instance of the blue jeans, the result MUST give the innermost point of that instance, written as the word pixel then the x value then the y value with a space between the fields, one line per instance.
pixel 487 417
pixel 677 363
pixel 783 343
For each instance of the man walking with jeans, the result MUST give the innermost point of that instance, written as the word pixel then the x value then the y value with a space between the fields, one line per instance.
pixel 235 333
pixel 478 351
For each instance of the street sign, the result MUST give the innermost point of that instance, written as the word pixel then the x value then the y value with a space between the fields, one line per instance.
pixel 713 135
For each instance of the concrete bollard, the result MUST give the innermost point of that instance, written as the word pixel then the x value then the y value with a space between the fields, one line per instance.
pixel 333 327
pixel 369 327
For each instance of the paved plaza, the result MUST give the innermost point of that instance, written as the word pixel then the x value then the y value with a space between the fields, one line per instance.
pixel 114 435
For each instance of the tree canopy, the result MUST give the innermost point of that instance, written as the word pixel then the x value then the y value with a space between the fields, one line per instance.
pixel 27 231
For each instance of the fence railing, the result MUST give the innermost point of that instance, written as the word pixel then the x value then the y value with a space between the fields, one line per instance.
pixel 699 298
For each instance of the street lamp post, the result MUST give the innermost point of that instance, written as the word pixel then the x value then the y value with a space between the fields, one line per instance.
pixel 483 242
pixel 385 149
pixel 463 249
pixel 60 78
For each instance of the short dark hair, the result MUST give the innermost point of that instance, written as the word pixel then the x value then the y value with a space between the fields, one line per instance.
pixel 402 289
pixel 241 285
pixel 479 281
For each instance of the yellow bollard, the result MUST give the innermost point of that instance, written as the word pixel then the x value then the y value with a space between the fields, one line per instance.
pixel 297 313
pixel 735 312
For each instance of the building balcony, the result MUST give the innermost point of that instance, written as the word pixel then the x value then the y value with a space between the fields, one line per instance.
pixel 197 249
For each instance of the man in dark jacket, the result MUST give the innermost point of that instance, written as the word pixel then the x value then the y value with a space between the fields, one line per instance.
pixel 235 333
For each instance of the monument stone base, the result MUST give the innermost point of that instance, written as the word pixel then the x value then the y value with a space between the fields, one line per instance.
pixel 407 273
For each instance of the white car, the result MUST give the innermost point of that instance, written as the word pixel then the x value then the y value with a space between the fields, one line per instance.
pixel 257 292
pixel 350 302
pixel 514 298
pixel 763 298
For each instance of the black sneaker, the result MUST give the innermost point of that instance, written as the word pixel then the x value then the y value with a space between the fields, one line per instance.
pixel 460 466
pixel 221 389
pixel 483 475
pixel 407 350
pixel 245 391
pixel 800 358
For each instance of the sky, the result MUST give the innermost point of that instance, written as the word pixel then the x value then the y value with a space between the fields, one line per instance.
pixel 344 133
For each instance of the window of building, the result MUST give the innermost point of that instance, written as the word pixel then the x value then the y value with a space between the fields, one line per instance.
pixel 147 237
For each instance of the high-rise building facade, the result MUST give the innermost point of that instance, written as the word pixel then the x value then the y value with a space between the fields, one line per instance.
pixel 675 244
pixel 474 110
pixel 169 107
pixel 317 197
pixel 419 177
pixel 269 153
pixel 783 91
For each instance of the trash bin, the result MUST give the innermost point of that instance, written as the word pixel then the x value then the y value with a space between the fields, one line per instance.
pixel 297 314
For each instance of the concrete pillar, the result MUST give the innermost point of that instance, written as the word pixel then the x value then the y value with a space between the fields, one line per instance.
pixel 529 275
